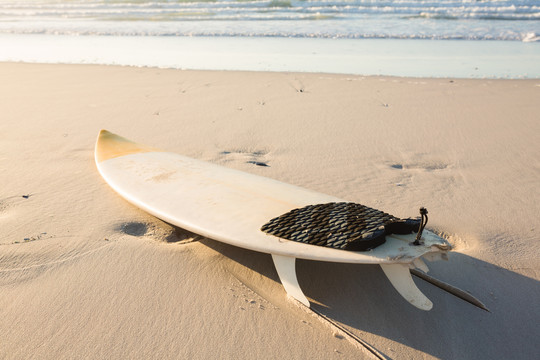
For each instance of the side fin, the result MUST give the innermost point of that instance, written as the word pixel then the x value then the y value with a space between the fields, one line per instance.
pixel 400 277
pixel 285 266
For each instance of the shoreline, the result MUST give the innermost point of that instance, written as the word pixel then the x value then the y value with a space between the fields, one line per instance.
pixel 322 75
pixel 89 275
pixel 384 57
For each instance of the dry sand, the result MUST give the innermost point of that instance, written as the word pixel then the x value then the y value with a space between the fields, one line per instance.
pixel 83 274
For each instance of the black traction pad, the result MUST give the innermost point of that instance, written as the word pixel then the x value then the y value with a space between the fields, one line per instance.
pixel 343 225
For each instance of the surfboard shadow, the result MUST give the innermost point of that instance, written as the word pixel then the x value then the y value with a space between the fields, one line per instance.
pixel 361 298
pixel 260 263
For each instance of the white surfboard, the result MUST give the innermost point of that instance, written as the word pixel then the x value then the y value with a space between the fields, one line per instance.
pixel 231 206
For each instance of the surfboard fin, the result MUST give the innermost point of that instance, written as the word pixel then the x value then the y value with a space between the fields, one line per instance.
pixel 400 277
pixel 286 269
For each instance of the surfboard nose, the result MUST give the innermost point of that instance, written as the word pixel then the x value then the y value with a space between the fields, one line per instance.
pixel 109 146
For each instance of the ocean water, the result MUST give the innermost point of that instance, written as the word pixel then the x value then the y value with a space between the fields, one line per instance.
pixel 36 30
pixel 401 19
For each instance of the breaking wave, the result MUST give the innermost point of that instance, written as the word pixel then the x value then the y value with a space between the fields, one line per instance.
pixel 424 19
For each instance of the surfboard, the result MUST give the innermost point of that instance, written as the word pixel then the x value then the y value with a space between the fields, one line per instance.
pixel 232 206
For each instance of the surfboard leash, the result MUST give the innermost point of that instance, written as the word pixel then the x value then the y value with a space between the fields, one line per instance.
pixel 423 213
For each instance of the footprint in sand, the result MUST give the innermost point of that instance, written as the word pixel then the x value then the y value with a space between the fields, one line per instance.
pixel 133 228
pixel 160 232
pixel 405 171
pixel 422 165
pixel 298 86
pixel 257 158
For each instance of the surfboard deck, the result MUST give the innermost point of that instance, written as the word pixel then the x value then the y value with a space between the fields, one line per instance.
pixel 230 206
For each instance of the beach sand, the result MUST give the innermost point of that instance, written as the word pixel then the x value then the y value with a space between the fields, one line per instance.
pixel 84 274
